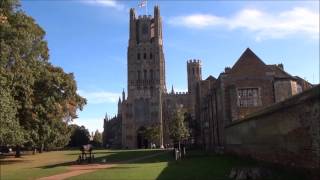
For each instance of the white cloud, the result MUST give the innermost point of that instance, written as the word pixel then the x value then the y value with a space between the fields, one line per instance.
pixel 264 25
pixel 92 124
pixel 106 3
pixel 98 97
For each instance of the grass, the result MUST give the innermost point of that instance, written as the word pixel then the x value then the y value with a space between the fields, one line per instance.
pixel 196 166
pixel 51 163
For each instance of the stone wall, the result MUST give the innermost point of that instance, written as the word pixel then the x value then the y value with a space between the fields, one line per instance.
pixel 286 133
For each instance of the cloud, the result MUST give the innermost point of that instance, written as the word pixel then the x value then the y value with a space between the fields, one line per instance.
pixel 106 3
pixel 92 124
pixel 264 25
pixel 99 97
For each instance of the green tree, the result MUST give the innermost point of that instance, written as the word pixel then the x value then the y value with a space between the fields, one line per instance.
pixel 10 132
pixel 177 128
pixel 152 133
pixel 79 136
pixel 45 97
pixel 97 139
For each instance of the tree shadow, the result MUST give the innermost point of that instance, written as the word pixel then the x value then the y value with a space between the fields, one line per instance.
pixel 7 162
pixel 119 157
pixel 58 165
pixel 200 165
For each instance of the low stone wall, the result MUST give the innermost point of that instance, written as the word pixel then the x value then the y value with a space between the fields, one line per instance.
pixel 286 133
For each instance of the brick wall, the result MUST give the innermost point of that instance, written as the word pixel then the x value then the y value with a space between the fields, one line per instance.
pixel 287 132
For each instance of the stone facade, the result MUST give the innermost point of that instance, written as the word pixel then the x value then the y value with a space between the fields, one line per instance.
pixel 287 133
pixel 248 86
pixel 111 136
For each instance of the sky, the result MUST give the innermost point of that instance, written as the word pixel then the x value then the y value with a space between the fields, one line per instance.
pixel 90 38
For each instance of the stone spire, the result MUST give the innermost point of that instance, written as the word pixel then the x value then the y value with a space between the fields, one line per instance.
pixel 172 90
pixel 106 117
pixel 123 95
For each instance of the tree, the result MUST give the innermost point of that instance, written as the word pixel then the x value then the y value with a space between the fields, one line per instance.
pixel 152 133
pixel 79 136
pixel 97 139
pixel 177 127
pixel 43 98
pixel 11 132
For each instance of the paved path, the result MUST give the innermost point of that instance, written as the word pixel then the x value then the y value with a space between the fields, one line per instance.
pixel 75 170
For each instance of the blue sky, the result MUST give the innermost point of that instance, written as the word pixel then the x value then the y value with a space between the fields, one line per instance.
pixel 89 38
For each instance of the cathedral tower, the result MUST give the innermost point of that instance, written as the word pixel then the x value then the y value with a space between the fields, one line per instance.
pixel 146 78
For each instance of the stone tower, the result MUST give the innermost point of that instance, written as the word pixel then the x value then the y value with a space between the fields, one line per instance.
pixel 146 79
pixel 194 74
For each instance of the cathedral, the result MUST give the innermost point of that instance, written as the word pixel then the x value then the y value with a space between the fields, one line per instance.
pixel 213 103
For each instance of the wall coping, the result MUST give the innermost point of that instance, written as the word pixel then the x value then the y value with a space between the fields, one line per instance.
pixel 311 93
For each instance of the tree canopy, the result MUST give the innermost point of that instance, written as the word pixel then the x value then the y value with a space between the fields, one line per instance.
pixel 79 136
pixel 97 139
pixel 177 127
pixel 152 133
pixel 39 99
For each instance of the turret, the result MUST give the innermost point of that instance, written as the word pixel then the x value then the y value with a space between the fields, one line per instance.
pixel 133 36
pixel 172 90
pixel 106 117
pixel 119 106
pixel 157 25
pixel 194 74
pixel 123 96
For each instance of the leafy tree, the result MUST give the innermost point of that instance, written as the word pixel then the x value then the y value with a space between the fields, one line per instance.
pixel 79 135
pixel 152 133
pixel 97 139
pixel 42 98
pixel 11 132
pixel 177 127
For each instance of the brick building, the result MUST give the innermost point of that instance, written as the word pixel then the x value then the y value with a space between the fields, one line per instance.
pixel 213 103
pixel 249 86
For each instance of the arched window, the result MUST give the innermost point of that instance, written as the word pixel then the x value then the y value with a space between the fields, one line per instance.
pixel 144 56
pixel 193 71
pixel 138 56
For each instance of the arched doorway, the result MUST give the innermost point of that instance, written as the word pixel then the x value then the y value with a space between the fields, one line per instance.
pixel 142 141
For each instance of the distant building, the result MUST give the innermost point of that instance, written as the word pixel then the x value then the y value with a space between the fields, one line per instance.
pixel 111 136
pixel 248 86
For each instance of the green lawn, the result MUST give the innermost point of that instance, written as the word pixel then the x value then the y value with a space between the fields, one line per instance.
pixel 50 163
pixel 196 166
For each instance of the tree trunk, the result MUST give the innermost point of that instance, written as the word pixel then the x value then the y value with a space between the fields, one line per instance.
pixel 41 148
pixel 18 151
pixel 34 150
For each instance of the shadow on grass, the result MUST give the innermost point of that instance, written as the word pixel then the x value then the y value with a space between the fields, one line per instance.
pixel 121 156
pixel 202 166
pixel 7 162
pixel 196 165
